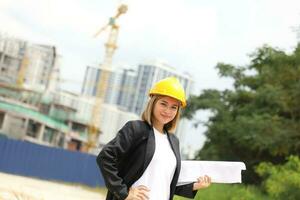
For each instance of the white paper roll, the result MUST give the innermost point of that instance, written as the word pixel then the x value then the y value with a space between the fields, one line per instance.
pixel 219 171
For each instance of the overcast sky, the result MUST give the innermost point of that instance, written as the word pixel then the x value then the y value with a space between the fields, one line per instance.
pixel 190 35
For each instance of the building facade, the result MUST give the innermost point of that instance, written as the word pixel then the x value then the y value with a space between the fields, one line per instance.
pixel 120 87
pixel 11 54
pixel 127 89
pixel 91 80
pixel 28 65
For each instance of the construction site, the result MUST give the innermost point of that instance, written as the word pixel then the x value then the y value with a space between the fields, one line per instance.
pixel 35 110
pixel 90 90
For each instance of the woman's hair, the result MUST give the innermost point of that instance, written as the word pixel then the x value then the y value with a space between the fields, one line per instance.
pixel 148 114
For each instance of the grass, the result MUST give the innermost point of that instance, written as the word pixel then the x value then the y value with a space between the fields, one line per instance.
pixel 228 192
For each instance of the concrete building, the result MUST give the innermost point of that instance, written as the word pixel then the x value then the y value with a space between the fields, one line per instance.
pixel 11 51
pixel 55 119
pixel 21 122
pixel 128 89
pixel 42 70
pixel 31 66
pixel 91 79
pixel 120 87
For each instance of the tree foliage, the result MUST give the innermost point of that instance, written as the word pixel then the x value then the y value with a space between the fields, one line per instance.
pixel 282 181
pixel 259 119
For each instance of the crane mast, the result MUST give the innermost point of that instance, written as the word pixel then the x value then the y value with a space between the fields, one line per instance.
pixel 110 47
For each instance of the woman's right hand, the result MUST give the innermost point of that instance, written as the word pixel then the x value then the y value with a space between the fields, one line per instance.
pixel 140 192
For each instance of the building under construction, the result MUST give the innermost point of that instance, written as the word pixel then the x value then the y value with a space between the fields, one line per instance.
pixel 47 120
pixel 32 107
pixel 27 65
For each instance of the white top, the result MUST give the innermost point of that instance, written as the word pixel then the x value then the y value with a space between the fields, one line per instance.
pixel 219 171
pixel 160 171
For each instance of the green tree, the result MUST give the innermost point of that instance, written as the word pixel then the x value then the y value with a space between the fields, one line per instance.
pixel 282 181
pixel 259 119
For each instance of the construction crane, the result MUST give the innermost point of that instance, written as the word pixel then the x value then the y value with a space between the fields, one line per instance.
pixel 22 71
pixel 110 47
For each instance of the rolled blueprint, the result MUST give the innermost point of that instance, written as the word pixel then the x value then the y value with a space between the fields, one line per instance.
pixel 219 171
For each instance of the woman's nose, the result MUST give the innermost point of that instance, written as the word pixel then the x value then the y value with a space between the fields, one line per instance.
pixel 168 110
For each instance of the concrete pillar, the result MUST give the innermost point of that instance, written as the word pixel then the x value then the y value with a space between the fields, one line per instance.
pixel 41 132
pixel 4 124
pixel 25 128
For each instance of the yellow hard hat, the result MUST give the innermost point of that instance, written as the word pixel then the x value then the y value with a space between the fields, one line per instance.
pixel 169 87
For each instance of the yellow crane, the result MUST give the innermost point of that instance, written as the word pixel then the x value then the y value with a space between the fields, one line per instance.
pixel 22 71
pixel 110 47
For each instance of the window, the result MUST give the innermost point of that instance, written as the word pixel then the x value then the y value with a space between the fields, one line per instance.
pixel 61 140
pixel 48 135
pixel 33 129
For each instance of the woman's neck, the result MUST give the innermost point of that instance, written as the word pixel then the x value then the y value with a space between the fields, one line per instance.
pixel 159 127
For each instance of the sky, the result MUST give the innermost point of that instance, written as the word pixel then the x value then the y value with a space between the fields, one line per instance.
pixel 190 35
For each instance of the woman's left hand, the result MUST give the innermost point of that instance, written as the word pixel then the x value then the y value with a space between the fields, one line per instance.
pixel 202 182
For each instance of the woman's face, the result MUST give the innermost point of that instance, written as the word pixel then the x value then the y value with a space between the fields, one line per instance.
pixel 165 110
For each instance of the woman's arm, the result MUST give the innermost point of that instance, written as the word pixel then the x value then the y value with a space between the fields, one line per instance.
pixel 110 155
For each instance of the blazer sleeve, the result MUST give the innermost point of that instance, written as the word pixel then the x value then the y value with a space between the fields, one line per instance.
pixel 186 191
pixel 109 156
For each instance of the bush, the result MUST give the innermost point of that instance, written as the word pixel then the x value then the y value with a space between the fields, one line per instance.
pixel 283 181
pixel 228 192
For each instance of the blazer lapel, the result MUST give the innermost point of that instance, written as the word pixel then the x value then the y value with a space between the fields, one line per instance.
pixel 150 148
pixel 175 149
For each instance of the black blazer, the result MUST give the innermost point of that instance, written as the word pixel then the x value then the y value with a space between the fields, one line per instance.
pixel 125 158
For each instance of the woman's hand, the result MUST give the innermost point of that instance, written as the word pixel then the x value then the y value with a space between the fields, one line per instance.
pixel 202 182
pixel 138 193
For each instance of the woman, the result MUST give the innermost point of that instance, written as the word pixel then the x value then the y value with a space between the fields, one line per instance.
pixel 143 161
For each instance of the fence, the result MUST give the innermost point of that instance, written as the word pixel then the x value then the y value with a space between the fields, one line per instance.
pixel 28 159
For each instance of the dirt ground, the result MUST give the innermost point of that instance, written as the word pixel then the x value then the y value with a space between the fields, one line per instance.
pixel 13 187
